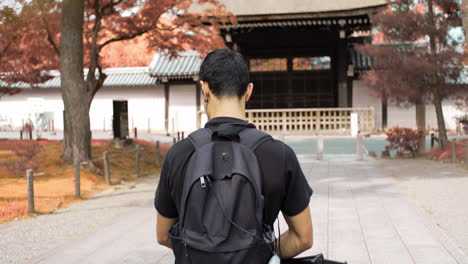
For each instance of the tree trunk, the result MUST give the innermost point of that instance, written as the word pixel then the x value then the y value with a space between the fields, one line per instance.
pixel 465 18
pixel 74 94
pixel 421 125
pixel 443 140
pixel 67 138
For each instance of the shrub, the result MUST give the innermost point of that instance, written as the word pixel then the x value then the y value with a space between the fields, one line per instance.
pixel 26 152
pixel 26 149
pixel 404 139
pixel 19 167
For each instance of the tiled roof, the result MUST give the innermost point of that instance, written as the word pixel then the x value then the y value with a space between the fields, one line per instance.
pixel 186 66
pixel 132 76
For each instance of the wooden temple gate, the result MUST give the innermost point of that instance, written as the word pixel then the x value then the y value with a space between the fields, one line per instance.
pixel 311 121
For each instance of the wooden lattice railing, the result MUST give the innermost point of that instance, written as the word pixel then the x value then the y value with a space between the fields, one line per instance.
pixel 311 121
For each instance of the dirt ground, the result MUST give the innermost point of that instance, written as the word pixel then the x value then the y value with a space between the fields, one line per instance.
pixel 54 183
pixel 441 188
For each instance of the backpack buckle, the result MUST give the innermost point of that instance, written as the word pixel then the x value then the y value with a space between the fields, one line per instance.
pixel 202 181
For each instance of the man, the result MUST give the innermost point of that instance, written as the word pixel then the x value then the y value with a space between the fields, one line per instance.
pixel 224 80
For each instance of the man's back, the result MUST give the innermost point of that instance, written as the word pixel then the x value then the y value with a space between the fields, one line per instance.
pixel 224 82
pixel 284 186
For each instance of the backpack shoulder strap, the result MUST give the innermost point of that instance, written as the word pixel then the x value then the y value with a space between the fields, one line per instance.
pixel 200 137
pixel 252 138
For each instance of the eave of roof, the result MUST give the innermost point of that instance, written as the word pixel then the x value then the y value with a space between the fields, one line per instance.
pixel 247 10
pixel 116 77
pixel 186 66
pixel 313 15
pixel 324 22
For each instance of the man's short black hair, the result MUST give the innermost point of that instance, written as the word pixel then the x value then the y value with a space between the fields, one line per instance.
pixel 226 72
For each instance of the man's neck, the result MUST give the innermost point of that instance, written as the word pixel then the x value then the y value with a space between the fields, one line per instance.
pixel 228 108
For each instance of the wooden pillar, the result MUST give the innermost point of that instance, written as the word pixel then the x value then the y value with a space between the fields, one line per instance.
pixel 359 147
pixel 166 106
pixel 290 83
pixel 454 150
pixel 137 161
pixel 342 68
pixel 350 90
pixel 77 164
pixel 320 147
pixel 384 112
pixel 107 171
pixel 30 180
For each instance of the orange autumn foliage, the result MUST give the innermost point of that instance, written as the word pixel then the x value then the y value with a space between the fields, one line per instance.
pixel 55 188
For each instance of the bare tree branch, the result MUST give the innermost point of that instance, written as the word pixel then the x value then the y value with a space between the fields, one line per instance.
pixel 98 83
pixel 111 4
pixel 94 53
pixel 127 37
pixel 45 22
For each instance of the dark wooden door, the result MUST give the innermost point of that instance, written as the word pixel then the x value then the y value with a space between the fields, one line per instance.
pixel 120 119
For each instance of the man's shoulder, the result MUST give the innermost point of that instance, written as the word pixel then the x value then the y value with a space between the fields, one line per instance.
pixel 275 148
pixel 179 150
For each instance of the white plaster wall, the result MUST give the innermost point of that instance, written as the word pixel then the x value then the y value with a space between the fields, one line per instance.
pixel 182 108
pixel 399 115
pixel 406 116
pixel 362 97
pixel 22 106
pixel 145 107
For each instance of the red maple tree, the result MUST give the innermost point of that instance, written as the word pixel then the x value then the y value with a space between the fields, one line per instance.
pixel 38 36
pixel 25 53
pixel 129 53
pixel 419 61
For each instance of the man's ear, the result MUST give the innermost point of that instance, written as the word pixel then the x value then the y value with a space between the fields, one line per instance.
pixel 249 91
pixel 205 90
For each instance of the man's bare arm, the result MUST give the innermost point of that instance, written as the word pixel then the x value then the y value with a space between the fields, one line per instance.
pixel 299 237
pixel 163 226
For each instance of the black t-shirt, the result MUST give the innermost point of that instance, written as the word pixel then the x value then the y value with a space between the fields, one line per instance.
pixel 284 185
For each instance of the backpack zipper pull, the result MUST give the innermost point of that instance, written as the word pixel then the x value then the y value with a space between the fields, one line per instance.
pixel 186 250
pixel 202 181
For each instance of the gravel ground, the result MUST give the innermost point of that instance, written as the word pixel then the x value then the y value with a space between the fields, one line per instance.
pixel 96 135
pixel 21 241
pixel 441 189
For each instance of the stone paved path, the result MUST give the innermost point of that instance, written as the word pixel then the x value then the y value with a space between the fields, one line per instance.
pixel 441 189
pixel 360 214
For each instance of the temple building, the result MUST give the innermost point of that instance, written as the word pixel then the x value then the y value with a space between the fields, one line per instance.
pixel 303 63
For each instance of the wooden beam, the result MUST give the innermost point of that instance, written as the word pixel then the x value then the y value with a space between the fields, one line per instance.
pixel 166 106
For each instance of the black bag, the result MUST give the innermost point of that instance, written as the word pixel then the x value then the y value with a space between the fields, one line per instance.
pixel 221 210
pixel 317 259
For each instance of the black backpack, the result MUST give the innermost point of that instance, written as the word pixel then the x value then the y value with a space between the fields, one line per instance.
pixel 221 208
